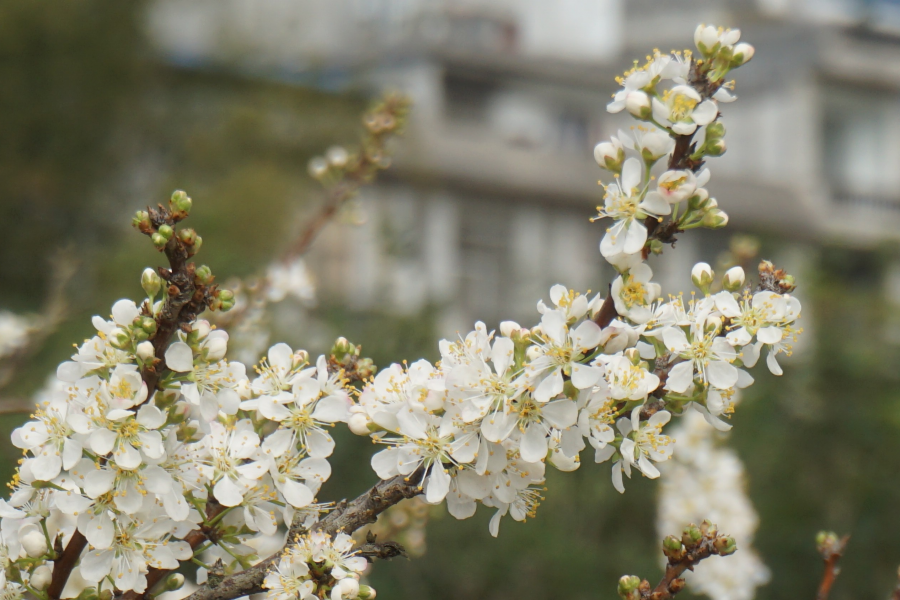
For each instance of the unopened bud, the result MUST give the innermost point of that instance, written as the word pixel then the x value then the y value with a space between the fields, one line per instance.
pixel 151 282
pixel 702 276
pixel 198 241
pixel 366 592
pixel 118 338
pixel 226 299
pixel 174 582
pixel 507 328
pixel 341 348
pixel 337 156
pixel 35 543
pixel 714 219
pixel 715 130
pixel 299 358
pixel 691 536
pixel 609 156
pixel 708 528
pixel 41 577
pixel 159 240
pixel 628 587
pixel 166 231
pixel 734 279
pixel 638 104
pixel 204 274
pixel 714 147
pixel 145 351
pixel 359 424
pixel 673 548
pixel 181 202
pixel 146 323
pixel 141 220
pixel 187 236
pixel 743 52
pixel 676 586
pixel 725 545
pixel 318 167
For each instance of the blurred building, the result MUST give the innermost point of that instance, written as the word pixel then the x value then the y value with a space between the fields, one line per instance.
pixel 489 199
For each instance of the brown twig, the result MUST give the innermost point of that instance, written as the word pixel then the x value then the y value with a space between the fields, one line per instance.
pixel 63 566
pixel 347 517
pixel 832 549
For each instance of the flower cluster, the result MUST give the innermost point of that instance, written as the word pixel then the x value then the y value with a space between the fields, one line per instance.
pixel 482 424
pixel 316 565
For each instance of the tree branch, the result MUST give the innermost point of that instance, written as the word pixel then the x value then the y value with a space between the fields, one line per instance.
pixel 63 566
pixel 346 517
pixel 832 549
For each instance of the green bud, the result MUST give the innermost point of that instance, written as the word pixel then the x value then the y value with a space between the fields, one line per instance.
pixel 226 305
pixel 198 241
pixel 673 548
pixel 341 348
pixel 714 147
pixel 166 231
pixel 628 587
pixel 141 220
pixel 139 335
pixel 174 582
pixel 151 282
pixel 204 275
pixel 147 324
pixel 715 130
pixel 656 246
pixel 714 219
pixel 708 528
pixel 226 295
pixel 691 535
pixel 180 202
pixel 159 240
pixel 187 236
pixel 366 592
pixel 725 545
pixel 119 338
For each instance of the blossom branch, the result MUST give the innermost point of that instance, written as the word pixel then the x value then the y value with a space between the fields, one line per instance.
pixel 696 544
pixel 346 517
pixel 832 549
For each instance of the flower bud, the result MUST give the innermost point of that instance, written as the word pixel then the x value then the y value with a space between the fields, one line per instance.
pixel 41 577
pixel 715 130
pixel 708 528
pixel 673 548
pixel 299 358
pixel 35 543
pixel 166 231
pixel 204 274
pixel 215 348
pixel 226 298
pixel 702 276
pixel 691 536
pixel 638 104
pixel 725 545
pixel 655 144
pixel 609 156
pixel 158 240
pixel 366 592
pixel 118 338
pixel 200 330
pixel 676 586
pixel 187 236
pixel 151 282
pixel 359 424
pixel 141 220
pixel 318 168
pixel 507 328
pixel 714 219
pixel 337 156
pixel 734 279
pixel 628 587
pixel 145 351
pixel 180 202
pixel 743 52
pixel 705 38
pixel 714 147
pixel 174 582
